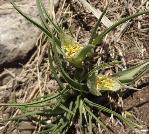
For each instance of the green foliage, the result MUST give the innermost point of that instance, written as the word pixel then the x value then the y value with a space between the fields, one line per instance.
pixel 132 74
pixel 73 103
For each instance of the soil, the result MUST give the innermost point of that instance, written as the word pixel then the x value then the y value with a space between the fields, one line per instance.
pixel 131 47
pixel 138 104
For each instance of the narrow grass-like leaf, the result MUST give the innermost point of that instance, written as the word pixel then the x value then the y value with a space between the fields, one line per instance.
pixel 46 25
pixel 93 34
pixel 56 26
pixel 90 125
pixel 138 76
pixel 21 116
pixel 71 109
pixel 66 109
pixel 53 69
pixel 77 104
pixel 60 126
pixel 48 112
pixel 80 119
pixel 33 22
pixel 71 117
pixel 42 17
pixel 97 119
pixel 99 38
pixel 102 108
pixel 35 102
pixel 133 73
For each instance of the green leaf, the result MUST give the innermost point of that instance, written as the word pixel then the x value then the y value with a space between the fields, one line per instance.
pixel 56 26
pixel 66 109
pixel 58 129
pixel 96 118
pixel 107 110
pixel 49 112
pixel 35 103
pixel 96 26
pixel 80 119
pixel 90 126
pixel 42 13
pixel 42 17
pixel 99 38
pixel 74 110
pixel 53 69
pixel 81 55
pixel 71 109
pixel 91 83
pixel 132 74
pixel 46 31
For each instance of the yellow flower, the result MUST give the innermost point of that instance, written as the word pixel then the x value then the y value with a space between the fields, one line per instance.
pixel 104 82
pixel 71 47
pixel 98 82
pixel 71 50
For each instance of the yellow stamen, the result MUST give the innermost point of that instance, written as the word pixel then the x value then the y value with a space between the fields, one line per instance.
pixel 71 47
pixel 70 51
pixel 104 82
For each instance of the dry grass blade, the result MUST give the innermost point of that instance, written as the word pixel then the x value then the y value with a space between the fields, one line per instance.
pixel 96 12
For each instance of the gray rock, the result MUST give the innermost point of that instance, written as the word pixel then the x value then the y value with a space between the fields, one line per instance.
pixel 17 35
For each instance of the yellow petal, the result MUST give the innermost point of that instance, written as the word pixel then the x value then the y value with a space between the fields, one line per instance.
pixel 71 47
pixel 107 83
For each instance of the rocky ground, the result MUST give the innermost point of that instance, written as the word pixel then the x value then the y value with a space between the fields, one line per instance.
pixel 24 70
